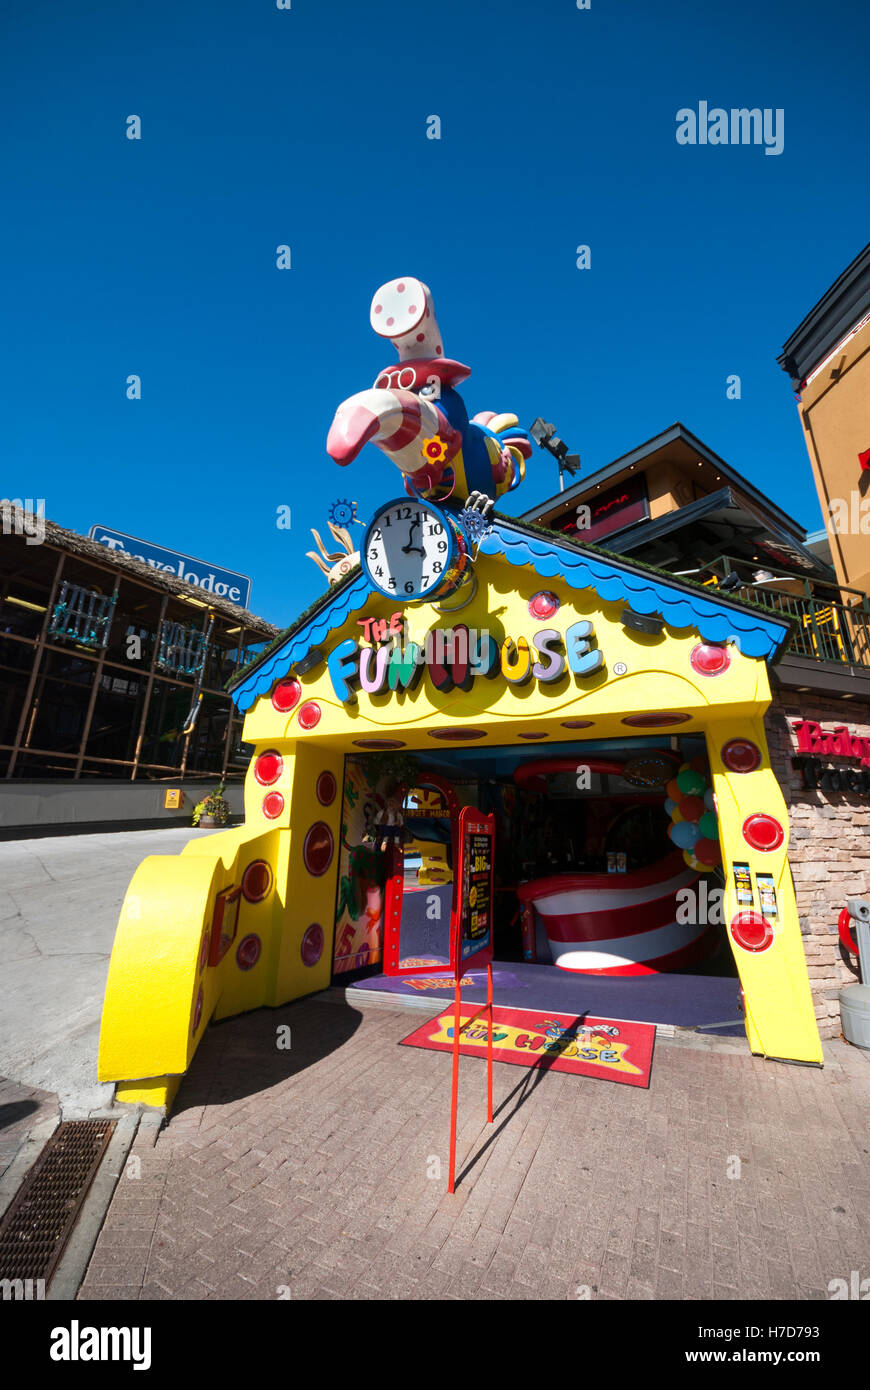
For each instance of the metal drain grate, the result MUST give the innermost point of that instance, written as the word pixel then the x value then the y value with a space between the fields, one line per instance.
pixel 39 1221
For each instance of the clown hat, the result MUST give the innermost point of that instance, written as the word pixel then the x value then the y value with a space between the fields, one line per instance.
pixel 402 310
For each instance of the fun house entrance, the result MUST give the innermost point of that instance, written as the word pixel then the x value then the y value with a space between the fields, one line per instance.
pixel 597 907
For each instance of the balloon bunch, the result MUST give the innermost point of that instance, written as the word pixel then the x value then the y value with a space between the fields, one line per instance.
pixel 694 826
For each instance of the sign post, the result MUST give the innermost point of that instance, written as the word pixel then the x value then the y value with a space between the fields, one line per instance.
pixel 471 932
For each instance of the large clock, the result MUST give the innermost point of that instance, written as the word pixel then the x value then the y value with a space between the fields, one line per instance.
pixel 413 550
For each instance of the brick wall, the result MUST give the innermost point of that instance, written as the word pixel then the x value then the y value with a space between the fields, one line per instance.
pixel 829 848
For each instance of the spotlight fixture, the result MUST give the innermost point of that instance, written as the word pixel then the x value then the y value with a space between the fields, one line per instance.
pixel 312 658
pixel 545 436
pixel 642 622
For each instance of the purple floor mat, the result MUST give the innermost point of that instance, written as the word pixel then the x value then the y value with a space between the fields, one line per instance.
pixel 711 1002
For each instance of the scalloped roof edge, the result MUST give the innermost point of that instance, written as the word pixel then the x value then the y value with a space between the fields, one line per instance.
pixel 681 603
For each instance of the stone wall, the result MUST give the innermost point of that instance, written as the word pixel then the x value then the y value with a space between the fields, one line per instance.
pixel 829 847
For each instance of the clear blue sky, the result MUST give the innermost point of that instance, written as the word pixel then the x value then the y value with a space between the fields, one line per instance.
pixel 308 127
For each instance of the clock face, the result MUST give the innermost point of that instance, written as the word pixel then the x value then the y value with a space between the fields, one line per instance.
pixel 409 549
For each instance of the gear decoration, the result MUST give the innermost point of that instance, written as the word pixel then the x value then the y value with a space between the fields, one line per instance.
pixel 475 519
pixel 342 512
pixel 434 449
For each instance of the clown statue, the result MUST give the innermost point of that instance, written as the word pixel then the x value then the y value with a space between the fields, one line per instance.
pixel 416 417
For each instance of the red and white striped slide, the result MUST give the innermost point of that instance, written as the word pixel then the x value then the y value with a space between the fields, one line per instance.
pixel 620 924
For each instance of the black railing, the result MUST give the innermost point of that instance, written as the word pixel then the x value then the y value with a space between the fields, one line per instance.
pixel 825 627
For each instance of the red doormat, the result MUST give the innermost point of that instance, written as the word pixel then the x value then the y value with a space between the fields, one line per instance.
pixel 561 1042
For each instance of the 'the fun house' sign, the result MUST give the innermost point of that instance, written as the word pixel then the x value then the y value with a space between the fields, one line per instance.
pixel 455 657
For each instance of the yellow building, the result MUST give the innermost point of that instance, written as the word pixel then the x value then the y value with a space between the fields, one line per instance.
pixel 828 359
pixel 606 718
pixel 247 917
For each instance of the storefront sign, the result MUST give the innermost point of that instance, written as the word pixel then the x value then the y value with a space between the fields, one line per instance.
pixel 837 744
pixel 600 516
pixel 454 657
pixel 817 777
pixel 471 938
pixel 220 582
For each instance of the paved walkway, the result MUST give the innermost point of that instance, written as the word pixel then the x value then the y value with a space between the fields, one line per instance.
pixel 306 1173
pixel 60 897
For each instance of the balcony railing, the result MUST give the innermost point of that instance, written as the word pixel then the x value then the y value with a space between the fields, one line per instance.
pixel 82 616
pixel 826 629
pixel 182 649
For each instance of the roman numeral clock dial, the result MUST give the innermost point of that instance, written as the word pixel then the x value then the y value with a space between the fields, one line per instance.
pixel 413 551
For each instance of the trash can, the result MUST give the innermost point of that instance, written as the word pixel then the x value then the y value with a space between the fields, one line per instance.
pixel 855 1013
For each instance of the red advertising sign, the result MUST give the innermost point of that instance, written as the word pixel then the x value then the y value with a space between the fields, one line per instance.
pixel 471 927
pixel 609 511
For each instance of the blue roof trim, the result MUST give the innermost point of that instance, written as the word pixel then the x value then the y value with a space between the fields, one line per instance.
pixel 714 622
pixel 331 616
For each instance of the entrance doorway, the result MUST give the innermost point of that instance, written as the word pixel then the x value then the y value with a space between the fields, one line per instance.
pixel 596 908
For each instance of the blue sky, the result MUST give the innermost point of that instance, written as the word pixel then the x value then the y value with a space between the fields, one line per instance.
pixel 307 127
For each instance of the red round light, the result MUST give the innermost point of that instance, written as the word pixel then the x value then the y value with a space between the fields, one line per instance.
pixel 532 735
pixel 273 805
pixel 751 931
pixel 197 1012
pixel 203 950
pixel 312 945
pixel 318 849
pixel 248 952
pixel 257 879
pixel 577 723
pixel 309 714
pixel 741 755
pixel 763 832
pixel 543 604
pixel 268 767
pixel 286 695
pixel 326 788
pixel 654 721
pixel 710 660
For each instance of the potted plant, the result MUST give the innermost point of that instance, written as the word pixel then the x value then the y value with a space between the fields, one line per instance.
pixel 214 809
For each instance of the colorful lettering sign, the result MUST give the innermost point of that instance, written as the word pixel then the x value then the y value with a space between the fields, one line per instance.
pixel 454 657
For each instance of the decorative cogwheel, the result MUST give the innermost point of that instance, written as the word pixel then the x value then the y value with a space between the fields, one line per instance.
pixel 342 513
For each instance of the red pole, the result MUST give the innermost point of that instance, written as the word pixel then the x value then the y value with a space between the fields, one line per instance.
pixel 489 1045
pixel 455 1094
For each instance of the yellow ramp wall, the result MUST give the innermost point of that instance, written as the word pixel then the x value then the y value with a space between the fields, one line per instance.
pixel 780 1018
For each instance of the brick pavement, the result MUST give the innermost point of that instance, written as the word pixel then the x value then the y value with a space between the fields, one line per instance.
pixel 306 1170
pixel 21 1109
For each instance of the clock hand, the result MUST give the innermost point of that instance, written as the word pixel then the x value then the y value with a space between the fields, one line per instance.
pixel 406 549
